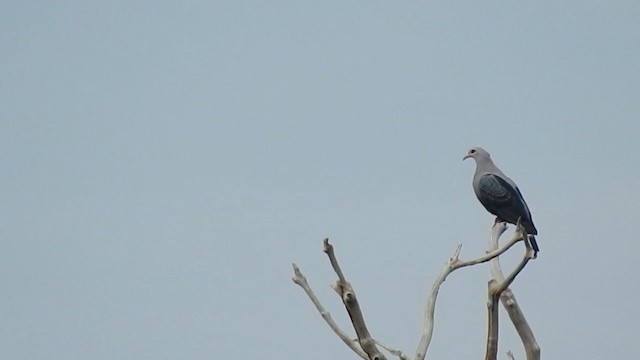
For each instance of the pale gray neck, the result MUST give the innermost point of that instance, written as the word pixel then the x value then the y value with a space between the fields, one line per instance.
pixel 485 165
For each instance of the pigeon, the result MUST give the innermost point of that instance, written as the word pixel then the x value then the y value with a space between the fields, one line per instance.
pixel 499 194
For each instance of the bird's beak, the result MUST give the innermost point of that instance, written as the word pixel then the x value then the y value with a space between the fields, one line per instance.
pixel 466 157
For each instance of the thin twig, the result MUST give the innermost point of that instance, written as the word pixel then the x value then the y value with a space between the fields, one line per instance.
pixel 301 280
pixel 328 249
pixel 393 351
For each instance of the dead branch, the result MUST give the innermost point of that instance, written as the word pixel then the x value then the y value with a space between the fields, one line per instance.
pixel 453 264
pixel 496 289
pixel 366 346
pixel 301 280
pixel 393 351
pixel 348 296
pixel 499 289
pixel 492 322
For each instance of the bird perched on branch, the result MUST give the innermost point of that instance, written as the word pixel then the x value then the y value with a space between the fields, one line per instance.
pixel 499 194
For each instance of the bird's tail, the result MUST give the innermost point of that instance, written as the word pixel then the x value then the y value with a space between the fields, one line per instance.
pixel 534 244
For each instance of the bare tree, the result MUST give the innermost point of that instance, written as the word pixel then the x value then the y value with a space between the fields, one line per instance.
pixel 369 348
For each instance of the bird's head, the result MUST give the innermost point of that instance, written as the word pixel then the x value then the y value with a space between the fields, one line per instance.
pixel 476 153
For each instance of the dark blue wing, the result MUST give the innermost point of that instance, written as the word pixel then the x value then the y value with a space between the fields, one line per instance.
pixel 504 201
pixel 494 191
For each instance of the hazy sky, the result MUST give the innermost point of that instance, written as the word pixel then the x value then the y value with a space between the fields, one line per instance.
pixel 164 163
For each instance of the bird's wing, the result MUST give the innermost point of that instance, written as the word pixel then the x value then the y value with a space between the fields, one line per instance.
pixel 524 203
pixel 500 198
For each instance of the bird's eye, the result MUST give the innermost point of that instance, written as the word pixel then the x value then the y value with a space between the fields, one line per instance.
pixel 472 151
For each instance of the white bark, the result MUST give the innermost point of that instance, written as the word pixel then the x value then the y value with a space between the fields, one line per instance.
pixel 301 280
pixel 453 264
pixel 508 299
pixel 348 296
pixel 366 347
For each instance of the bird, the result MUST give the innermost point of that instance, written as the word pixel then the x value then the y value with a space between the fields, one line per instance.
pixel 500 195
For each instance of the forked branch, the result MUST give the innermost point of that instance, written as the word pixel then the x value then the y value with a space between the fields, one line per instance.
pixel 499 289
pixel 301 281
pixel 350 301
pixel 366 347
pixel 453 264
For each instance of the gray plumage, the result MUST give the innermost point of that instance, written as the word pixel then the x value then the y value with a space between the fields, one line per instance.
pixel 499 194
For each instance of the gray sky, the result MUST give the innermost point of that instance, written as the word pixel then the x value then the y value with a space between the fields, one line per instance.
pixel 164 163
